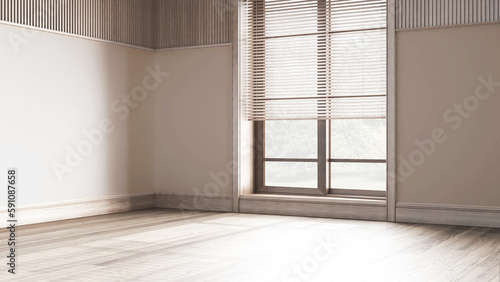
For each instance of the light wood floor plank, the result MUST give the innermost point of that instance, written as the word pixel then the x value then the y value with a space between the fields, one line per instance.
pixel 169 245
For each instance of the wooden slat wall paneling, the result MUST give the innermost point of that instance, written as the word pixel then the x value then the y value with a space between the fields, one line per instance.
pixel 435 13
pixel 121 21
pixel 185 23
pixel 153 24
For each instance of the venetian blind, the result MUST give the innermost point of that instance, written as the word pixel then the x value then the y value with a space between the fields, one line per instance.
pixel 314 59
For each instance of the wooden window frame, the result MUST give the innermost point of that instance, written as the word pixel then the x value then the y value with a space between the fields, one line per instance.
pixel 244 174
pixel 323 162
pixel 323 143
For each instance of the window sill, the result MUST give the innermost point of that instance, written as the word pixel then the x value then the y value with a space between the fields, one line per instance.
pixel 329 206
pixel 329 199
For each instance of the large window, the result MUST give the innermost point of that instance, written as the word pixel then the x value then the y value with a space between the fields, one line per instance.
pixel 315 87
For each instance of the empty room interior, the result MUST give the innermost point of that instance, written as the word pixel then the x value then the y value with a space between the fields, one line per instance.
pixel 250 140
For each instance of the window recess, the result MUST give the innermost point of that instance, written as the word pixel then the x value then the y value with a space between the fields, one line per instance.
pixel 314 84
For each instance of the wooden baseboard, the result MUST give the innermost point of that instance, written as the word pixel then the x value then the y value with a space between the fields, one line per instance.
pixel 448 214
pixel 203 202
pixel 82 208
pixel 263 204
pixel 314 206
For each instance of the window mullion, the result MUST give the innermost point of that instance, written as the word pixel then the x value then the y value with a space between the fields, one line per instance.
pixel 322 84
pixel 259 155
pixel 322 156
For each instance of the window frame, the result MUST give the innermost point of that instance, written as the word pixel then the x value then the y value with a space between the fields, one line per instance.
pixel 323 159
pixel 260 162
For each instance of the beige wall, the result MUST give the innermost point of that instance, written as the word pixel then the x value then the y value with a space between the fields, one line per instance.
pixel 437 69
pixel 191 119
pixel 53 87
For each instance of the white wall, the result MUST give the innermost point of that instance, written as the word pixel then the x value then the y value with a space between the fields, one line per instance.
pixel 53 87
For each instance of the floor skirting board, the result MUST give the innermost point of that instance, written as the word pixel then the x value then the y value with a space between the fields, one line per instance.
pixel 262 204
pixel 203 202
pixel 448 214
pixel 82 208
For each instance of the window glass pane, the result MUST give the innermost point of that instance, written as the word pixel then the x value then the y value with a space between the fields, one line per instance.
pixel 291 139
pixel 358 139
pixel 288 174
pixel 363 176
